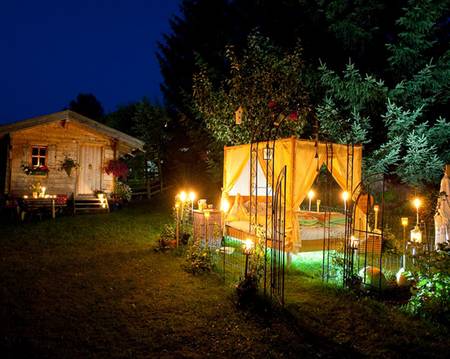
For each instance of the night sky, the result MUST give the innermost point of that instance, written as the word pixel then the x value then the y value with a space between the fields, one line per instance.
pixel 51 50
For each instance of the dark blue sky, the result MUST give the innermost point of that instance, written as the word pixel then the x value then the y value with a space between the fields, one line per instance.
pixel 51 50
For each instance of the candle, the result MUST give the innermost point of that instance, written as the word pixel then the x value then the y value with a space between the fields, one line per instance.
pixel 310 197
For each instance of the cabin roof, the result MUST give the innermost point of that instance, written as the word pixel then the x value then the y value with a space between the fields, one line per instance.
pixel 130 142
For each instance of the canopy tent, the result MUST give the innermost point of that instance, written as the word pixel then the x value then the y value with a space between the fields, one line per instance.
pixel 302 159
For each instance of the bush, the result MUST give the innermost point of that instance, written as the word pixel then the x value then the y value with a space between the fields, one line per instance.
pixel 167 237
pixel 431 290
pixel 122 191
pixel 198 258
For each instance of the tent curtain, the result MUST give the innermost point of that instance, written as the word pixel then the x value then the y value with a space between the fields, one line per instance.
pixel 339 163
pixel 235 159
pixel 299 156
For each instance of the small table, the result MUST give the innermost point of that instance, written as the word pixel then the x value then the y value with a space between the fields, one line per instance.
pixel 31 204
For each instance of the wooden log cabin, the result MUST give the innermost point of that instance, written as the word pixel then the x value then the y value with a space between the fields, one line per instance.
pixel 47 140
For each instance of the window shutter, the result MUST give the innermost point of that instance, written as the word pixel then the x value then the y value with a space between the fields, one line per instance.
pixel 26 157
pixel 51 155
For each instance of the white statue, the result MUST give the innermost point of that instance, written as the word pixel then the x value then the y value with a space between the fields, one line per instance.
pixel 442 216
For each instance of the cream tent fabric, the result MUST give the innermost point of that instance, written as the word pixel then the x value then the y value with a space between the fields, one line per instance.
pixel 299 156
pixel 442 217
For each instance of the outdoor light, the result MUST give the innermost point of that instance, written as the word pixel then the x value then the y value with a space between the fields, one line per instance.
pixel 248 246
pixel 417 203
pixel 404 221
pixel 345 196
pixel 376 208
pixel 183 196
pixel 311 195
pixel 354 242
pixel 25 196
pixel 416 235
pixel 177 228
pixel 224 205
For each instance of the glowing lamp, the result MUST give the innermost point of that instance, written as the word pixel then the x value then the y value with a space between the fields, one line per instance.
pixel 182 196
pixel 224 205
pixel 192 196
pixel 354 242
pixel 177 205
pixel 417 203
pixel 311 195
pixel 404 221
pixel 25 196
pixel 248 246
pixel 416 235
pixel 345 196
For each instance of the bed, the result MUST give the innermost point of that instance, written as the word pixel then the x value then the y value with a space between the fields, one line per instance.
pixel 311 228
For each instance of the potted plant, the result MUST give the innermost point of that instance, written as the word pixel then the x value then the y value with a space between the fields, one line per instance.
pixel 41 170
pixel 68 164
pixel 117 168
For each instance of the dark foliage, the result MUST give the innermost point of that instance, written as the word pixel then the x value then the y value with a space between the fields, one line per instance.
pixel 86 104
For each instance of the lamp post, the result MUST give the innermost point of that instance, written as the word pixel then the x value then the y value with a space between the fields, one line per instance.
pixel 310 197
pixel 224 208
pixel 206 214
pixel 376 208
pixel 183 197
pixel 192 197
pixel 248 247
pixel 354 247
pixel 404 224
pixel 177 226
pixel 417 203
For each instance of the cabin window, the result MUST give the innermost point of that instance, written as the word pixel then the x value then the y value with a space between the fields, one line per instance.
pixel 38 156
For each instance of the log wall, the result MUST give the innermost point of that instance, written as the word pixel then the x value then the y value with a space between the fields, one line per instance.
pixel 61 138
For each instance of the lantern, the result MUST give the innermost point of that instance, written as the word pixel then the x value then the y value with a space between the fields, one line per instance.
pixel 416 235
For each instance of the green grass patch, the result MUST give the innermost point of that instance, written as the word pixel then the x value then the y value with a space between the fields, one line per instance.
pixel 93 286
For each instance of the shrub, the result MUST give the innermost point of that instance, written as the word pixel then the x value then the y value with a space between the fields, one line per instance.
pixel 122 191
pixel 198 258
pixel 431 290
pixel 167 237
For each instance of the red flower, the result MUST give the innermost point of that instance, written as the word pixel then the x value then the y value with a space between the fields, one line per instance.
pixel 293 116
pixel 117 169
pixel 272 104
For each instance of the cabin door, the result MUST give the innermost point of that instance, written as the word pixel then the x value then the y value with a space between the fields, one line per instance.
pixel 90 171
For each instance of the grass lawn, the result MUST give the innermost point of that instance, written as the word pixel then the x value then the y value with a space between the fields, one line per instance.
pixel 92 286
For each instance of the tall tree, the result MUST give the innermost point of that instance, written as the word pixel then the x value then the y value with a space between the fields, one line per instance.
pixel 150 123
pixel 412 137
pixel 86 104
